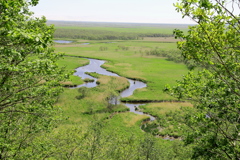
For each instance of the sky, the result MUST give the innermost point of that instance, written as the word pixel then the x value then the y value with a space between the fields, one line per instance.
pixel 136 11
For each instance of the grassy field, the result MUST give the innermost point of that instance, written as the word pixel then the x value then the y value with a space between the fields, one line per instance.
pixel 113 31
pixel 158 109
pixel 138 30
pixel 128 58
pixel 71 63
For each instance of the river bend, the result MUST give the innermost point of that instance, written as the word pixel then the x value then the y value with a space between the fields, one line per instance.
pixel 95 66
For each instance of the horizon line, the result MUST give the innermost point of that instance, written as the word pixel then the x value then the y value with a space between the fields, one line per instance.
pixel 121 22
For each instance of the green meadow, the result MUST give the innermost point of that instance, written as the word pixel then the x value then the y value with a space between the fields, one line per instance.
pixel 85 107
pixel 71 63
pixel 129 59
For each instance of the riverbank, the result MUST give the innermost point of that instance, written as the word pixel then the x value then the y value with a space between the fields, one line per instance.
pixel 128 59
pixel 94 70
pixel 135 64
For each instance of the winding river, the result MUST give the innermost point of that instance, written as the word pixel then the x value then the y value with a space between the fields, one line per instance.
pixel 95 66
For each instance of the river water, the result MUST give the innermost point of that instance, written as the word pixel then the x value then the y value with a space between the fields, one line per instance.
pixel 95 66
pixel 62 41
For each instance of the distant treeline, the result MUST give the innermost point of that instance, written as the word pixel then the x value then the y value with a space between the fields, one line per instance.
pixel 103 34
pixel 116 24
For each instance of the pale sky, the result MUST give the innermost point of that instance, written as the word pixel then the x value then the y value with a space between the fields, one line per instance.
pixel 137 11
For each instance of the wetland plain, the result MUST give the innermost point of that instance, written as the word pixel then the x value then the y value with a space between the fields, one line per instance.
pixel 146 55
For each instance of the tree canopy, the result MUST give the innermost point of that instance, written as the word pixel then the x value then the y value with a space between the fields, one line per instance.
pixel 29 77
pixel 214 45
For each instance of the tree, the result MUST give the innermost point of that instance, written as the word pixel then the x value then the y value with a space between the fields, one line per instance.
pixel 29 78
pixel 214 45
pixel 84 91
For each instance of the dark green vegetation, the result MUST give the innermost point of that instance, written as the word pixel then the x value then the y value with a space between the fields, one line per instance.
pixel 111 31
pixel 29 79
pixel 169 121
pixel 85 125
pixel 213 44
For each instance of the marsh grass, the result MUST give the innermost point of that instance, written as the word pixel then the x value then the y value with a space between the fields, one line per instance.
pixel 78 111
pixel 135 64
pixel 158 109
pixel 87 80
pixel 71 63
pixel 128 59
pixel 169 118
pixel 126 123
